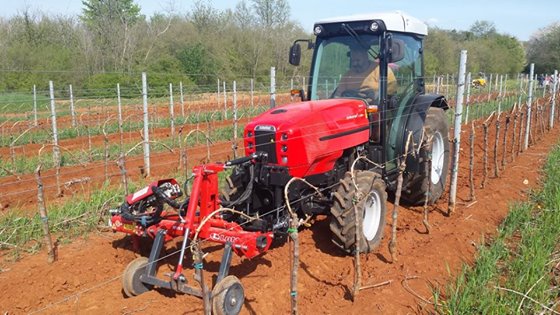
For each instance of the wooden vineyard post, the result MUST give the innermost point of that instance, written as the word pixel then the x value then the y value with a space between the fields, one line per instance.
pixel 529 104
pixel 357 265
pixel 425 218
pixel 122 167
pixel 199 277
pixel 543 117
pixel 504 144
pixel 520 146
pixel 106 155
pixel 182 98
pixel 471 164
pixel 468 102
pixel 293 231
pixel 52 257
pixel 496 144
pixel 402 167
pixel 88 131
pixel 106 149
pixel 553 100
pixel 515 113
pixel 536 123
pixel 485 149
pixel 180 135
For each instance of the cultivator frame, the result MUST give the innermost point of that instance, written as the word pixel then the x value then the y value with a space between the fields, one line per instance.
pixel 142 215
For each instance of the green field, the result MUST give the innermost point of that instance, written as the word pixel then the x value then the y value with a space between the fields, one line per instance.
pixel 518 272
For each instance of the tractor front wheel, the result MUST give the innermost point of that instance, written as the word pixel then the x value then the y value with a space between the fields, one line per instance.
pixel 228 296
pixel 366 195
pixel 131 283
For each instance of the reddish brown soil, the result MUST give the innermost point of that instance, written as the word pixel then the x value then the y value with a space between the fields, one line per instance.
pixel 86 278
pixel 97 115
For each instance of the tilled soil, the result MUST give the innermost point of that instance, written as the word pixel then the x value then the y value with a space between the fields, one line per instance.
pixel 87 277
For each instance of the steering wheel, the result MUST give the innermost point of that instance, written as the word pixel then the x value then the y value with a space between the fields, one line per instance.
pixel 368 94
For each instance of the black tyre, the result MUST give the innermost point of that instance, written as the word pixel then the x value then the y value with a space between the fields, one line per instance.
pixel 132 286
pixel 434 176
pixel 228 296
pixel 371 206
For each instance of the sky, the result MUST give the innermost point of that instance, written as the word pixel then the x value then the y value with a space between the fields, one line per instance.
pixel 519 18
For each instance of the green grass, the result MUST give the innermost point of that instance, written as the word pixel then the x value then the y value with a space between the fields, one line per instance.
pixel 67 221
pixel 519 258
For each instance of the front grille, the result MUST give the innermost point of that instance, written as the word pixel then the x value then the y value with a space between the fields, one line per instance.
pixel 265 141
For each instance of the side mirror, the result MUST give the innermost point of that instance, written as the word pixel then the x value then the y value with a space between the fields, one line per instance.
pixel 295 54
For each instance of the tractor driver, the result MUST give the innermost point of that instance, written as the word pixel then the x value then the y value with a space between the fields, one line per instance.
pixel 362 79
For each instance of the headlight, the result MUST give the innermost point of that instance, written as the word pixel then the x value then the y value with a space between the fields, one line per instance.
pixel 318 30
pixel 374 27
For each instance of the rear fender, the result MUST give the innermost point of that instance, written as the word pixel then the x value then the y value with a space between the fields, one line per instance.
pixel 415 123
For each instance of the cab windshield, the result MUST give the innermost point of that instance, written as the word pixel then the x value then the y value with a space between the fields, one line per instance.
pixel 348 59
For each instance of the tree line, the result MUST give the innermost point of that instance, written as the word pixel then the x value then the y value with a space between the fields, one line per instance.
pixel 111 41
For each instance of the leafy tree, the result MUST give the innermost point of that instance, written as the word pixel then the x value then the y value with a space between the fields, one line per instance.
pixel 197 63
pixel 111 42
pixel 483 29
pixel 111 21
pixel 441 52
pixel 96 12
pixel 271 13
pixel 204 16
pixel 543 49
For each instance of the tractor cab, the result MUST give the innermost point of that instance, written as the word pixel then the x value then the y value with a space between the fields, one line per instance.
pixel 389 80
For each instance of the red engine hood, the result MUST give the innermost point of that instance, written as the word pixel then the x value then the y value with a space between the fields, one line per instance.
pixel 290 115
pixel 309 136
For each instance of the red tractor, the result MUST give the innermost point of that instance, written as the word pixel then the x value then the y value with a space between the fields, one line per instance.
pixel 320 139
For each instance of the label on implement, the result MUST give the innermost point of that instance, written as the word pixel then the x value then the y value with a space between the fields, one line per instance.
pixel 140 193
pixel 224 238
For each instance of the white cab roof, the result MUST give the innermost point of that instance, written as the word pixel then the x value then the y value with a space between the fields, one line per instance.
pixel 394 21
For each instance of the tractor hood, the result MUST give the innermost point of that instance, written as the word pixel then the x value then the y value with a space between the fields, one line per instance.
pixel 308 137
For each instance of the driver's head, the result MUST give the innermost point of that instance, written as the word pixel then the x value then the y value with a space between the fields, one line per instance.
pixel 359 61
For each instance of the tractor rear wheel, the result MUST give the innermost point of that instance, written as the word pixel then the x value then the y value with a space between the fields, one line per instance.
pixel 228 296
pixel 369 199
pixel 432 176
pixel 132 286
